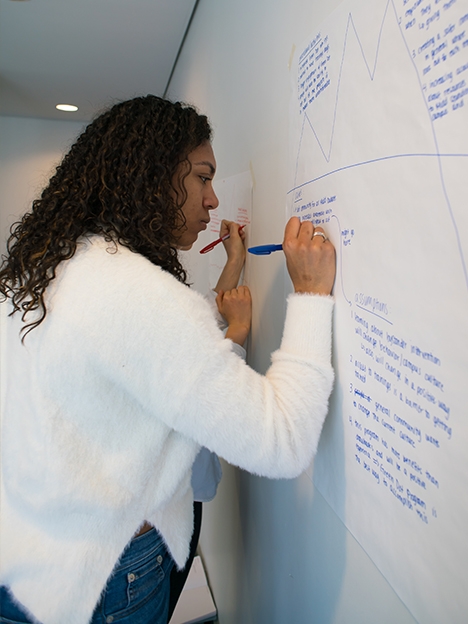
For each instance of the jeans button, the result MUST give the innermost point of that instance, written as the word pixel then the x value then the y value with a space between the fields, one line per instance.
pixel 159 559
pixel 131 577
pixel 109 619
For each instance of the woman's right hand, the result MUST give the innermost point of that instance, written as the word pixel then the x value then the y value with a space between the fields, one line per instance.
pixel 310 259
pixel 236 307
pixel 234 245
pixel 235 250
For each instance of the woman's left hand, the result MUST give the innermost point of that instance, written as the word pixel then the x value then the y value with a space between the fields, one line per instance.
pixel 236 307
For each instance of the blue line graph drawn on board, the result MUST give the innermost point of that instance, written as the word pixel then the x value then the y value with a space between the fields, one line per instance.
pixel 373 160
pixel 434 107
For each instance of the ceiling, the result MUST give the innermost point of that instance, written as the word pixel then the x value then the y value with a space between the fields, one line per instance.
pixel 90 53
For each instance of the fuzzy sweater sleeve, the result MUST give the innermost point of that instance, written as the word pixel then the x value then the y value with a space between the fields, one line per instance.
pixel 146 350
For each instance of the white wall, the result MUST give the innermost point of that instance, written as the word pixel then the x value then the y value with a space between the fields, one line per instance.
pixel 30 149
pixel 275 551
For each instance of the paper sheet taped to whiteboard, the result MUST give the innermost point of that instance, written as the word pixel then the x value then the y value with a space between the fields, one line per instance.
pixel 379 158
pixel 235 204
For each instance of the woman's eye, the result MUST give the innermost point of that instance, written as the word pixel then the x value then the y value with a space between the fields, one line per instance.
pixel 204 179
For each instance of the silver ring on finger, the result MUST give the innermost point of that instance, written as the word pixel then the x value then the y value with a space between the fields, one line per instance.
pixel 322 234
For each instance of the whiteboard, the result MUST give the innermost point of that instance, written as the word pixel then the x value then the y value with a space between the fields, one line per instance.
pixel 379 158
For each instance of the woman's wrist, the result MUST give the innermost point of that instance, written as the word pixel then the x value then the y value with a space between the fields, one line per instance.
pixel 230 274
pixel 237 332
pixel 236 260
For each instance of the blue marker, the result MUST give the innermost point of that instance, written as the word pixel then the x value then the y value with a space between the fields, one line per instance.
pixel 264 250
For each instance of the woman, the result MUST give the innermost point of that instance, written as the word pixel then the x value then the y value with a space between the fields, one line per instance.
pixel 118 373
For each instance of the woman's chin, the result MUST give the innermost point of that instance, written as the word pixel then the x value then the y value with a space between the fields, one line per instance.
pixel 185 247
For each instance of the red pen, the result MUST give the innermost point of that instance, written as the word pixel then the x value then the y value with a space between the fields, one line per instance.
pixel 217 241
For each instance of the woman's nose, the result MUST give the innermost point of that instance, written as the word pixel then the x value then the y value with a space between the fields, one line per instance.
pixel 212 201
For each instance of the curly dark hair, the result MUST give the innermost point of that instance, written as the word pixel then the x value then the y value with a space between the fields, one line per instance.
pixel 119 179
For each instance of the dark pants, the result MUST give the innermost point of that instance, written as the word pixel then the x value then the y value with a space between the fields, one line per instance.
pixel 178 577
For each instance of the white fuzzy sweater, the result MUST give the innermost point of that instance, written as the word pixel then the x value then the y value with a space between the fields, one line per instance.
pixel 106 406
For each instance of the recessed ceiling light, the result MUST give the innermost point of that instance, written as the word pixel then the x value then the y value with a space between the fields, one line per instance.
pixel 70 108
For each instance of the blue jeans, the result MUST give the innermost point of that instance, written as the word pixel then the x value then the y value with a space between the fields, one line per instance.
pixel 136 593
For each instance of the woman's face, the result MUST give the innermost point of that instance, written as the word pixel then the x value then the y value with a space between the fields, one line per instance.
pixel 201 197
